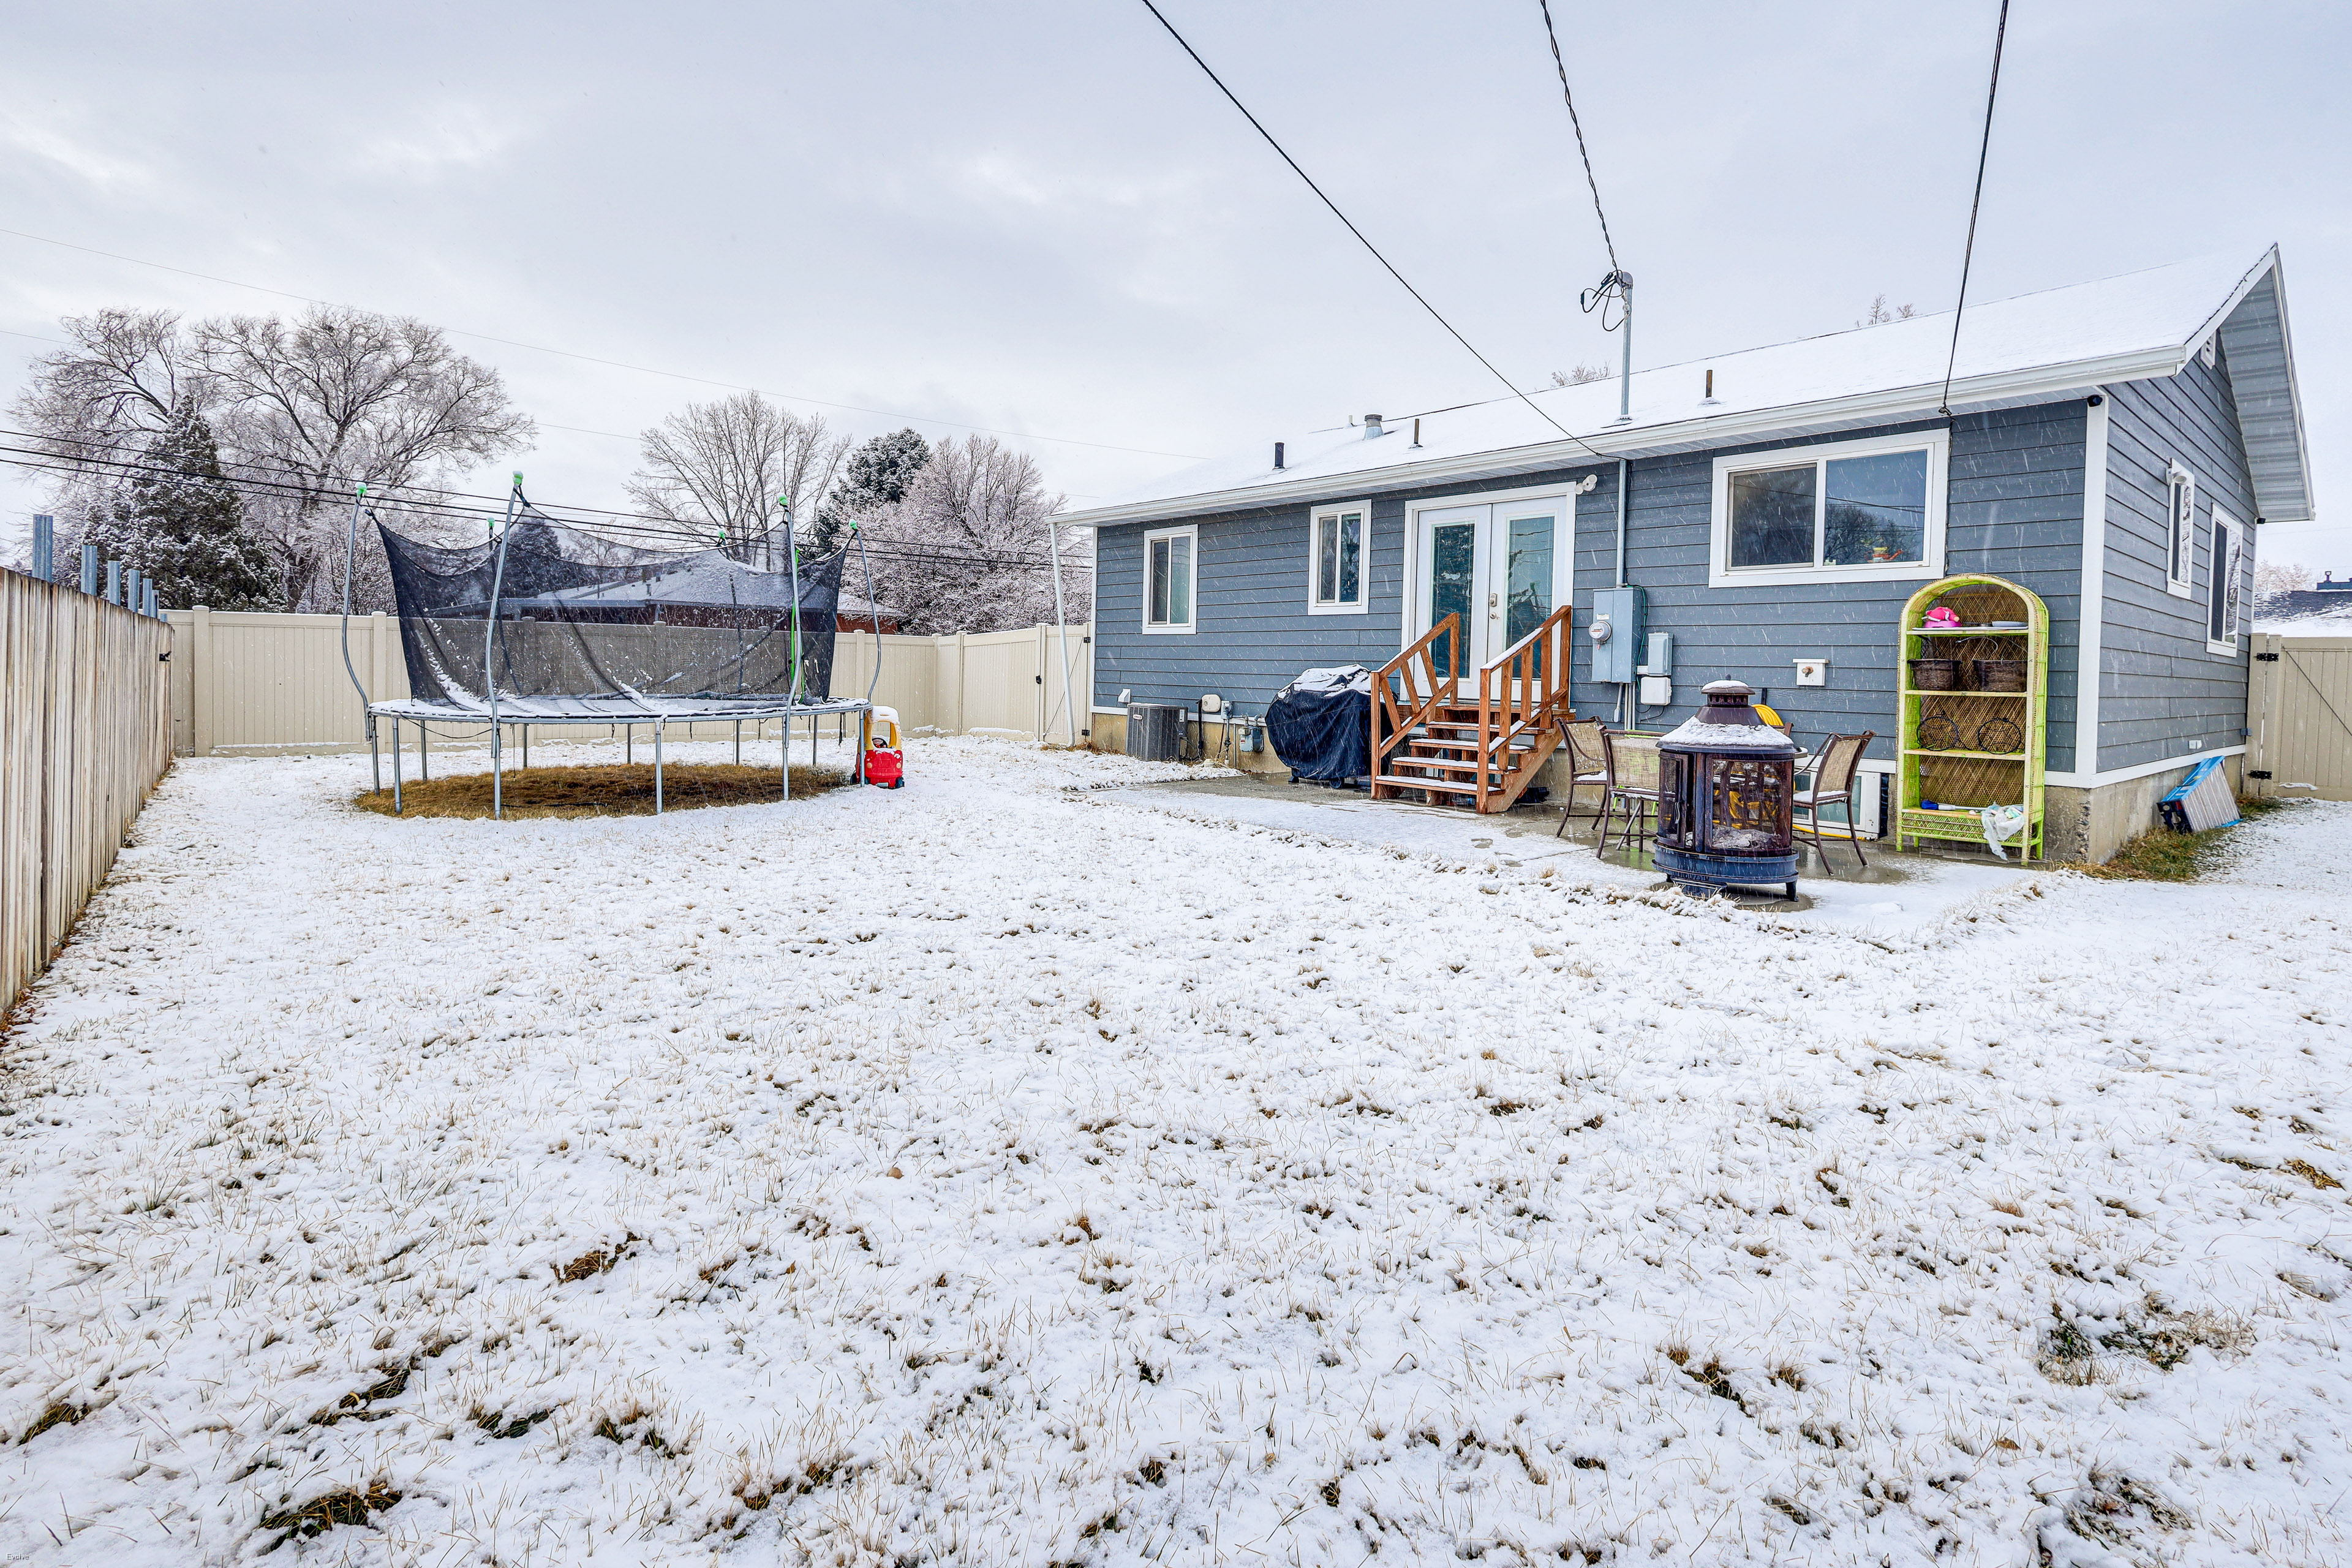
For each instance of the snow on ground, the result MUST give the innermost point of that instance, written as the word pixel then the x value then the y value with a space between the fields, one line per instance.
pixel 994 1171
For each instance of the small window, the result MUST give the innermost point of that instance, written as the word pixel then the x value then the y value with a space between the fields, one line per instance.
pixel 1847 510
pixel 2180 531
pixel 1168 580
pixel 2223 594
pixel 1335 568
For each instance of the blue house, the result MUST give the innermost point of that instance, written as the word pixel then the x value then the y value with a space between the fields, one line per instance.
pixel 2111 447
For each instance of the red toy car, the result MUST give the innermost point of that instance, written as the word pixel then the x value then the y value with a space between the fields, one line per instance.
pixel 885 759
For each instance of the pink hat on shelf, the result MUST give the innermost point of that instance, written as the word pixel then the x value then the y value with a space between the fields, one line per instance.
pixel 1940 616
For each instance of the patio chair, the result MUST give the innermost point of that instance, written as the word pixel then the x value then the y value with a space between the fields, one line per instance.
pixel 1630 763
pixel 1833 769
pixel 1581 739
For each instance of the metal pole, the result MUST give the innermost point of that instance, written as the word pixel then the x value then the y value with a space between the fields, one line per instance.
pixel 739 742
pixel 490 643
pixel 628 745
pixel 657 767
pixel 131 588
pixel 1062 621
pixel 375 758
pixel 526 746
pixel 793 551
pixel 424 753
pixel 1625 370
pixel 351 548
pixel 89 570
pixel 45 547
pixel 396 766
pixel 874 676
pixel 114 582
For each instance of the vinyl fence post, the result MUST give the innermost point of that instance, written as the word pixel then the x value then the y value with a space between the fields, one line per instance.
pixel 201 721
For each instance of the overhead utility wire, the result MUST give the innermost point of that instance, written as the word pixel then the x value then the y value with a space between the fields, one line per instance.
pixel 1358 232
pixel 473 518
pixel 1967 255
pixel 1569 98
pixel 298 483
pixel 593 359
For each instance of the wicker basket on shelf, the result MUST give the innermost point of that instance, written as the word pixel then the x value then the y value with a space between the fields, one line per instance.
pixel 2000 674
pixel 1936 673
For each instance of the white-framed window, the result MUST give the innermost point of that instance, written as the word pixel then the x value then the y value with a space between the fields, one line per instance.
pixel 2223 592
pixel 1170 557
pixel 1840 511
pixel 2180 532
pixel 1337 537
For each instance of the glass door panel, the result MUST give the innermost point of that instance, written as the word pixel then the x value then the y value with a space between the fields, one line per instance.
pixel 1528 574
pixel 1454 587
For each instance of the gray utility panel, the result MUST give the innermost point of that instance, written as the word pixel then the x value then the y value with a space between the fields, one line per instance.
pixel 1616 653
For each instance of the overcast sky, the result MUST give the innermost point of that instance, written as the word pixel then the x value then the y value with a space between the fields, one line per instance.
pixel 1039 218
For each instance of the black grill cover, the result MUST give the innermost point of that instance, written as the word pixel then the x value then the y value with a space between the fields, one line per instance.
pixel 1320 724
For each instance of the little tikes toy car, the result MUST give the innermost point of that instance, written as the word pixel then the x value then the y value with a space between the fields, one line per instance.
pixel 886 757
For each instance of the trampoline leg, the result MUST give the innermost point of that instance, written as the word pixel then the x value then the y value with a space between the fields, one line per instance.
pixel 784 762
pixel 629 744
pixel 375 756
pixel 424 753
pixel 657 761
pixel 526 746
pixel 395 767
pixel 739 742
pixel 498 780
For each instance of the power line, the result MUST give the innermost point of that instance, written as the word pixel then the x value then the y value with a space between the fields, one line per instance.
pixel 32 458
pixel 593 358
pixel 1570 99
pixel 1967 255
pixel 1358 232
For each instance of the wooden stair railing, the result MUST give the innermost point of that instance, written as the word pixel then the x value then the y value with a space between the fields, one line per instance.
pixel 1519 694
pixel 1485 751
pixel 1395 722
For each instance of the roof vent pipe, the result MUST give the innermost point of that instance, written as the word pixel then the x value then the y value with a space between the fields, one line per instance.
pixel 1277 454
pixel 1371 426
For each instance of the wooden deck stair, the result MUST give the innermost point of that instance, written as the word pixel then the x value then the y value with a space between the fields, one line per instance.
pixel 1480 747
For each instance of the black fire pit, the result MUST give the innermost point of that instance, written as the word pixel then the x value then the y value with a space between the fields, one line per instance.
pixel 1726 782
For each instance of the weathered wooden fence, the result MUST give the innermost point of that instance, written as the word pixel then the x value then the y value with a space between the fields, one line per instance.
pixel 84 733
pixel 258 683
pixel 2299 718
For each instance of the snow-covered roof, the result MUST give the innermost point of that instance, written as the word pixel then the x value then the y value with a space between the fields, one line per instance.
pixel 2033 348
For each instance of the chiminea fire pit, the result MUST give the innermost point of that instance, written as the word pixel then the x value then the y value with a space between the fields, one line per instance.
pixel 1726 781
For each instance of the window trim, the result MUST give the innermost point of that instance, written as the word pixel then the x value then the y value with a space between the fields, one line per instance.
pixel 1314 516
pixel 1720 573
pixel 2183 586
pixel 2234 618
pixel 1191 532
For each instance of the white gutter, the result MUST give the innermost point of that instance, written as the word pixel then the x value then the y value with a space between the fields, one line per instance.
pixel 2091 611
pixel 2010 389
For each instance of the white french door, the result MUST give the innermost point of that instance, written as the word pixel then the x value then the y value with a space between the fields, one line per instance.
pixel 1501 565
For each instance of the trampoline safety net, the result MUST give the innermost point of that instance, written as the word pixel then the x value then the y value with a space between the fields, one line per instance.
pixel 589 627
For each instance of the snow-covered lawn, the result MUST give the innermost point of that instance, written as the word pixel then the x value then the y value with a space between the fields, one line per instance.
pixel 1006 1170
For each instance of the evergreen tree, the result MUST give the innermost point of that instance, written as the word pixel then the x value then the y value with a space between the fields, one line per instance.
pixel 180 522
pixel 878 475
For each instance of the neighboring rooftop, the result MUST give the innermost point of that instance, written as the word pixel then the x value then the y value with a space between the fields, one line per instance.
pixel 2033 348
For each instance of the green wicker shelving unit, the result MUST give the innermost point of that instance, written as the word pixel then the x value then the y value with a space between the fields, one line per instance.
pixel 1965 778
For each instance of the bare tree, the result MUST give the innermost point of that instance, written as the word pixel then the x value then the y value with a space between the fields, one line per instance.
pixel 1880 314
pixel 966 549
pixel 301 410
pixel 1580 375
pixel 2273 578
pixel 719 468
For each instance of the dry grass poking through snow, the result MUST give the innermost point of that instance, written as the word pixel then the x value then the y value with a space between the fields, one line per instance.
pixel 613 789
pixel 994 1171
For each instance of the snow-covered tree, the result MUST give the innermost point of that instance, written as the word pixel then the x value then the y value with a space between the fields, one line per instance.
pixel 2272 578
pixel 179 521
pixel 716 469
pixel 966 549
pixel 301 410
pixel 878 476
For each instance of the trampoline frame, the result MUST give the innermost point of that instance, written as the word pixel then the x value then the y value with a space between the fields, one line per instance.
pixel 669 710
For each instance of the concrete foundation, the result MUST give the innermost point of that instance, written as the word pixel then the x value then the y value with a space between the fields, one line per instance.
pixel 2091 825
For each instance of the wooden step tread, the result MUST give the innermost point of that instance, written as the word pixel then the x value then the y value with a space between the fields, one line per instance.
pixel 1439 786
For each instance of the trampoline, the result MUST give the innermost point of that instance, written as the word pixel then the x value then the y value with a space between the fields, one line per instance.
pixel 551 624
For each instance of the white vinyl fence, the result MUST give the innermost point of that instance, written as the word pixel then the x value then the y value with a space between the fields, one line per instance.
pixel 257 683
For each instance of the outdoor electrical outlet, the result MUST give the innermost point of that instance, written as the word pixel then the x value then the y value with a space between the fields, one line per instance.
pixel 1813 671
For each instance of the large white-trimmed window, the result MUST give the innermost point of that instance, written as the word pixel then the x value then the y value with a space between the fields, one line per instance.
pixel 1170 556
pixel 2222 594
pixel 1336 537
pixel 1842 511
pixel 2180 532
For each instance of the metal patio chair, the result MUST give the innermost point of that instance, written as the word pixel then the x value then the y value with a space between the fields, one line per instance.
pixel 1834 768
pixel 1587 769
pixel 1631 794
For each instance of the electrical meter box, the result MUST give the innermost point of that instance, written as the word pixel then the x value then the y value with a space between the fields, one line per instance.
pixel 1616 632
